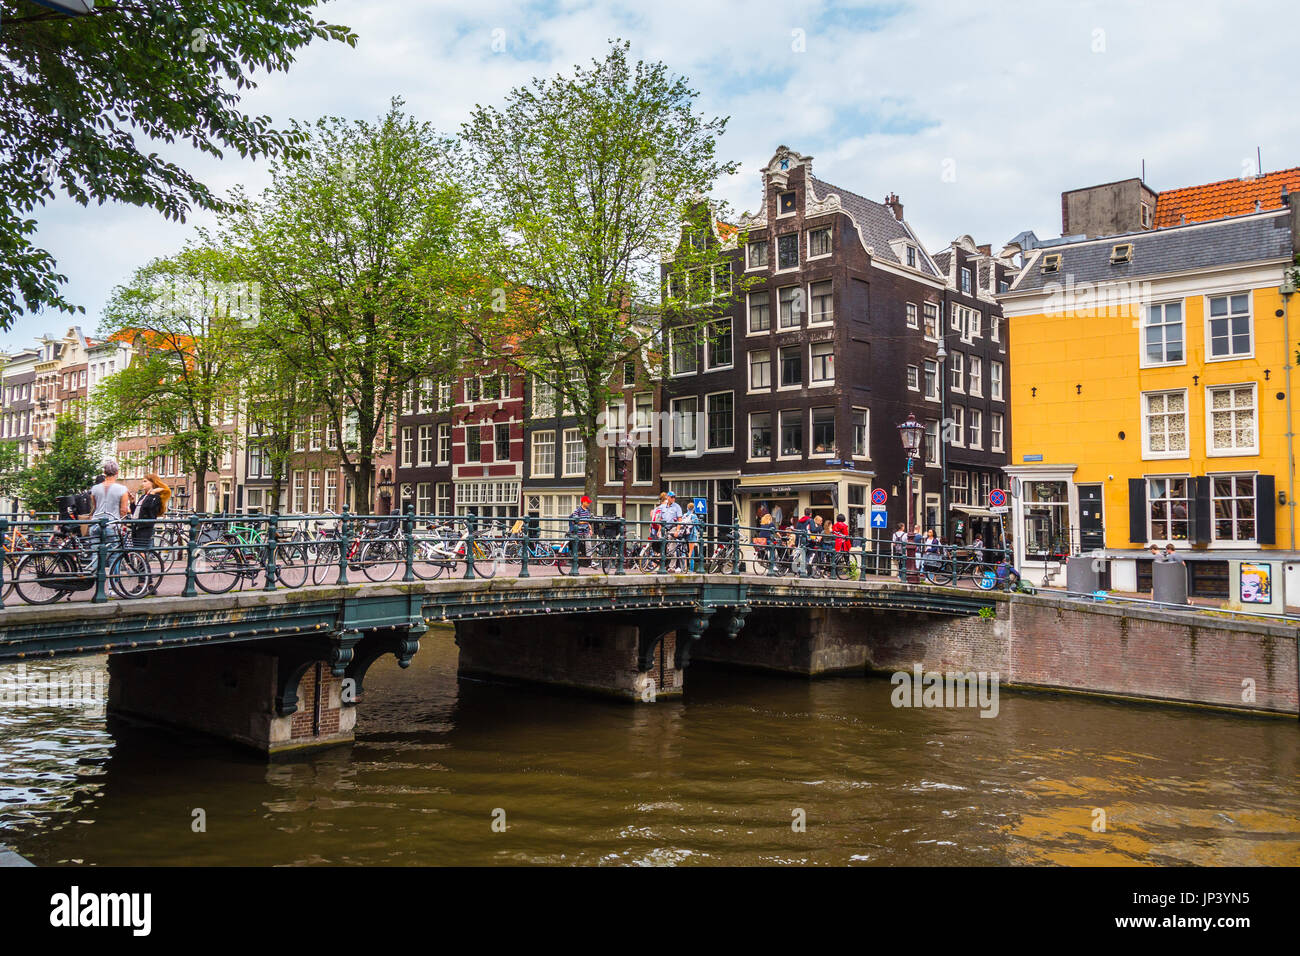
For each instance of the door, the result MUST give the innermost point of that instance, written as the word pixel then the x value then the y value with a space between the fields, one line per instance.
pixel 1092 532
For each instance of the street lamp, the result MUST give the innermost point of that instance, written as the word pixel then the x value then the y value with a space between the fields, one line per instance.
pixel 912 433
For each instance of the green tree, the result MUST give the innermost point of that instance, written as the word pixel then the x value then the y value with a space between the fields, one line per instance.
pixel 368 257
pixel 186 318
pixel 11 467
pixel 275 405
pixel 69 466
pixel 82 97
pixel 593 176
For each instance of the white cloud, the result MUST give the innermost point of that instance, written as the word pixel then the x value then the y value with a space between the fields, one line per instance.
pixel 1012 94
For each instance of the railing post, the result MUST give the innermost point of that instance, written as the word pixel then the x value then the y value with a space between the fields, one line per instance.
pixel 101 569
pixel 771 551
pixel 469 545
pixel 735 548
pixel 268 556
pixel 573 548
pixel 622 545
pixel 408 527
pixel 862 565
pixel 952 563
pixel 191 547
pixel 4 530
pixel 345 546
pixel 525 547
pixel 801 542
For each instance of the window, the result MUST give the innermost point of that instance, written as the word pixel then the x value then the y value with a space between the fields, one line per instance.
pixel 913 378
pixel 684 434
pixel 785 204
pixel 960 487
pixel 995 327
pixel 1164 419
pixel 912 321
pixel 760 435
pixel 629 373
pixel 722 280
pixel 1230 420
pixel 860 433
pixel 444 396
pixel 442 501
pixel 1046 510
pixel 911 257
pixel 760 312
pixel 966 280
pixel 543 399
pixel 787 251
pixel 408 447
pixel 444 444
pixel 1233 500
pixel 819 242
pixel 1121 253
pixel 543 454
pixel 930 448
pixel 995 381
pixel 720 425
pixel 790 312
pixel 995 431
pixel 1163 334
pixel 473 443
pixel 684 353
pixel 792 366
pixel 975 429
pixel 490 388
pixel 976 376
pixel 644 410
pixel 424 498
pixel 1004 285
pixel 615 430
pixel 575 454
pixel 331 490
pixel 931 312
pixel 823 309
pixel 1167 508
pixel 974 323
pixel 299 493
pixel 823 362
pixel 717 353
pixel 957 366
pixel 931 379
pixel 313 495
pixel 756 254
pixel 426 445
pixel 502 450
pixel 792 434
pixel 956 318
pixel 1229 326
pixel 823 431
pixel 471 389
pixel 958 424
pixel 1052 262
pixel 760 370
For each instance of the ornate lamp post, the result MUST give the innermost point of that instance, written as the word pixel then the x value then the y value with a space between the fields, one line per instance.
pixel 912 433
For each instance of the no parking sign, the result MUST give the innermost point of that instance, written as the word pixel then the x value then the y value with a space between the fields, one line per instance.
pixel 997 498
pixel 879 496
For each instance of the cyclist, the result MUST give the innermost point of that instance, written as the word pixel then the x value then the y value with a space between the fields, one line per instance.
pixel 843 543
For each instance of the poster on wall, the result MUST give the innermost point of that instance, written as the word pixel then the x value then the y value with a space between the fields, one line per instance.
pixel 1256 584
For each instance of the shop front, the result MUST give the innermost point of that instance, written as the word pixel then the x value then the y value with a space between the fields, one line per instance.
pixel 1044 515
pixel 827 494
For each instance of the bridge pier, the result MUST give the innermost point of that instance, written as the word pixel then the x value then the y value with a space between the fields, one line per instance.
pixel 278 697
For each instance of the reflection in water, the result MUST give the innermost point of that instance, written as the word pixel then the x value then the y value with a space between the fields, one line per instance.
pixel 714 778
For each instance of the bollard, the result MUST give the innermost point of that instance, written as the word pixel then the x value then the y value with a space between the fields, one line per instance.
pixel 268 555
pixel 101 571
pixel 862 564
pixel 190 590
pixel 573 550
pixel 345 546
pixel 408 528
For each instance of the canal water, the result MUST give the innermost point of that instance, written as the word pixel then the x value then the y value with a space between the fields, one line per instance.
pixel 451 772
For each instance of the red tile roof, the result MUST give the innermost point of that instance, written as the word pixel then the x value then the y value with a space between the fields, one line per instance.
pixel 1230 197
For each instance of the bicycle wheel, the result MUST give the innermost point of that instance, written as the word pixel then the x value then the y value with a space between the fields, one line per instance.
pixel 939 575
pixel 325 566
pixel 11 565
pixel 842 568
pixel 291 564
pixel 218 567
pixel 485 565
pixel 40 578
pixel 130 574
pixel 428 563
pixel 378 559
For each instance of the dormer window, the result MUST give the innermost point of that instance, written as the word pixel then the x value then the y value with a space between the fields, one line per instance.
pixel 1052 262
pixel 966 281
pixel 785 204
pixel 911 257
pixel 1121 253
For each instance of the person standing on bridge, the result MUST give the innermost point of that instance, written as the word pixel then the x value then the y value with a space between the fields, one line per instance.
pixel 108 500
pixel 150 504
pixel 580 527
pixel 900 549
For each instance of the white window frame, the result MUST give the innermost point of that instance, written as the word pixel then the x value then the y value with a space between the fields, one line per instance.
pixel 1144 324
pixel 958 415
pixel 938 320
pixel 829 317
pixel 913 316
pixel 957 372
pixel 830 452
pixel 997 436
pixel 424 446
pixel 708 420
pixel 708 339
pixel 444 459
pixel 1190 493
pixel 1250 325
pixel 564 449
pixel 796 313
pixel 1147 453
pixel 749 439
pixel 821 255
pixel 820 382
pixel 975 429
pixel 777 435
pixel 678 416
pixel 776 248
pixel 752 388
pixel 408 447
pixel 1235 451
pixel 939 379
pixel 749 265
pixel 749 313
pixel 542 442
pixel 673 351
pixel 1254 499
pixel 914 378
pixel 865 454
pixel 995 382
pixel 975 377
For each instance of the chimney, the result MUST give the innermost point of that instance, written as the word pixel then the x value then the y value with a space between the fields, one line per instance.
pixel 986 249
pixel 892 202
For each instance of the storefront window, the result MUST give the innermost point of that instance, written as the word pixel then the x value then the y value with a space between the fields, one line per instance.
pixel 1167 502
pixel 1046 519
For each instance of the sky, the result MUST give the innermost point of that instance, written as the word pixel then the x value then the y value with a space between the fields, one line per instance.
pixel 978 115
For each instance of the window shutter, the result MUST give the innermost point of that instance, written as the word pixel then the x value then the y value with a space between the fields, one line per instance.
pixel 1137 510
pixel 1201 513
pixel 1265 510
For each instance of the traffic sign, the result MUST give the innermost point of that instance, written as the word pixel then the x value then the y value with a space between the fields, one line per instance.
pixel 997 498
pixel 878 518
pixel 879 496
pixel 701 506
pixel 999 509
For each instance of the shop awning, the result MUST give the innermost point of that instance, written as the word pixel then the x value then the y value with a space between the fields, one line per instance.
pixel 976 512
pixel 785 488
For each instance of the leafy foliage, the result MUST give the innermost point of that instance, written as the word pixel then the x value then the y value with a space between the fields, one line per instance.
pixel 68 466
pixel 80 97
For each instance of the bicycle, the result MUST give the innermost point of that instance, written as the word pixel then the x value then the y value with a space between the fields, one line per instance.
pixel 67 564
pixel 240 553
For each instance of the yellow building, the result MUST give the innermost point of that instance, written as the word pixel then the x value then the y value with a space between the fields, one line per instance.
pixel 1150 393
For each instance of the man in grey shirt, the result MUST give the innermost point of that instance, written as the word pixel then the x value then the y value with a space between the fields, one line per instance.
pixel 110 500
